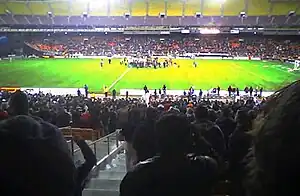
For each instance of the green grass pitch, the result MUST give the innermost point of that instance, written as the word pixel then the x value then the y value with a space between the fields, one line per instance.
pixel 74 73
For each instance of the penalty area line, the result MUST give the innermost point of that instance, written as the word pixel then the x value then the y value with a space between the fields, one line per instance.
pixel 119 78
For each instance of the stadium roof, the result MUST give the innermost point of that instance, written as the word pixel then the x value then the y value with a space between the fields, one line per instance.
pixel 256 10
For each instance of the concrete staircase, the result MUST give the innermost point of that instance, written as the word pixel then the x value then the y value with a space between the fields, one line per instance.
pixel 107 182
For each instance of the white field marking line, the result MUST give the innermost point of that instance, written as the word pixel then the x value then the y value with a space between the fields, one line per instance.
pixel 119 78
pixel 247 71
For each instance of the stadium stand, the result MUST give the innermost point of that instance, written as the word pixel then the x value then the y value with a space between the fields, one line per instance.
pixel 233 7
pixel 192 7
pixel 39 8
pixel 119 7
pixel 211 8
pixel 138 8
pixel 258 12
pixel 175 8
pixel 156 7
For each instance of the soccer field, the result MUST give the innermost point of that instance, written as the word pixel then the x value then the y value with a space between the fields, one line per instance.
pixel 74 73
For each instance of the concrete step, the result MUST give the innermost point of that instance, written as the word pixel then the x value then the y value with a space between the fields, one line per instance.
pixel 104 184
pixel 110 175
pixel 99 192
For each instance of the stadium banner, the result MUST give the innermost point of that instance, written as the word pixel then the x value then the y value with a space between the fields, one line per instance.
pixel 9 89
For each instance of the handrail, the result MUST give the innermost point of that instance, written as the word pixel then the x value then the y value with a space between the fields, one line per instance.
pixel 99 140
pixel 103 148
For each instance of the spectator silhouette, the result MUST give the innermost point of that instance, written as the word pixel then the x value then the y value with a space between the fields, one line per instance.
pixel 274 165
pixel 143 137
pixel 209 130
pixel 30 151
pixel 238 148
pixel 172 172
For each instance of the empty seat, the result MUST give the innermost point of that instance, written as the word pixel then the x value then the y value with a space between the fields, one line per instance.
pixel 138 8
pixel 39 8
pixel 18 8
pixel 119 7
pixel 98 8
pixel 78 7
pixel 174 7
pixel 283 8
pixel 2 8
pixel 191 7
pixel 233 7
pixel 156 7
pixel 258 7
pixel 211 8
pixel 61 8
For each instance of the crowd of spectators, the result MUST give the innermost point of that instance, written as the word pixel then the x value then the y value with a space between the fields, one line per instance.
pixel 107 45
pixel 175 147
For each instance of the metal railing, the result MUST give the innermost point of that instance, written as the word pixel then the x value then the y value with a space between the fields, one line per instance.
pixel 101 147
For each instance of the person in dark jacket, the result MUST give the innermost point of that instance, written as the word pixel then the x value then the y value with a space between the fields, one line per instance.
pixel 226 123
pixel 209 130
pixel 143 137
pixel 172 172
pixel 238 148
pixel 35 159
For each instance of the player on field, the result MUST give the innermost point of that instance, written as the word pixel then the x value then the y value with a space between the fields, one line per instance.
pixel 101 63
pixel 195 64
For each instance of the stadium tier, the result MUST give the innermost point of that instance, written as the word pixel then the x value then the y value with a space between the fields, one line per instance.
pixel 147 12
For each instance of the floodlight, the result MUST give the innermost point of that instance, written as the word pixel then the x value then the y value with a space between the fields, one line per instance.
pixel 292 13
pixel 126 15
pixel 162 15
pixel 243 14
pixel 84 14
pixel 198 14
pixel 49 14
pixel 8 12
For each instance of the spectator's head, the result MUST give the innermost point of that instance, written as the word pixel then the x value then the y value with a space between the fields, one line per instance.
pixel 201 112
pixel 227 112
pixel 275 167
pixel 18 104
pixel 34 162
pixel 172 133
pixel 151 113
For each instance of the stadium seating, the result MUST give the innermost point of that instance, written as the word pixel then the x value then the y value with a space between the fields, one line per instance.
pixel 211 8
pixel 18 8
pixel 174 8
pixel 98 9
pixel 119 7
pixel 138 8
pixel 78 7
pixel 191 7
pixel 258 7
pixel 259 12
pixel 283 8
pixel 39 8
pixel 156 7
pixel 233 7
pixel 60 8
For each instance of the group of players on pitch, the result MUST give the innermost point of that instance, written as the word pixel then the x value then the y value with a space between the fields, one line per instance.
pixel 147 63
